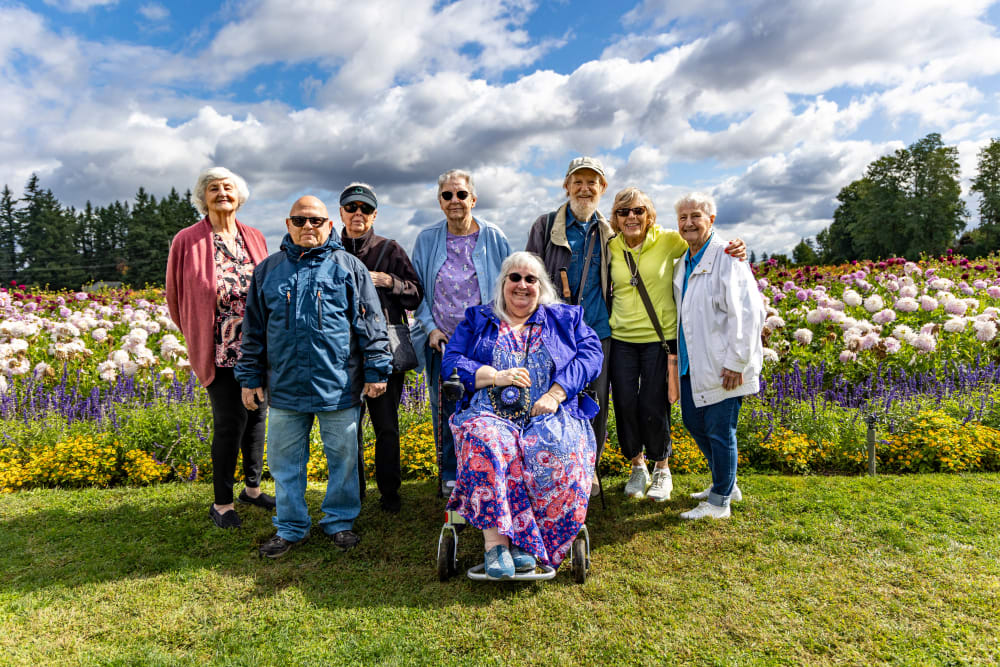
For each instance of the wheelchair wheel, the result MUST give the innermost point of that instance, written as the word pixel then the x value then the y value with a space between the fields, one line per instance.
pixel 580 560
pixel 446 557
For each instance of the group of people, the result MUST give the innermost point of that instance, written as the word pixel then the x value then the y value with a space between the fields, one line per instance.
pixel 536 337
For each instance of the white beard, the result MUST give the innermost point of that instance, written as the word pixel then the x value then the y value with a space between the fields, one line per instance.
pixel 583 211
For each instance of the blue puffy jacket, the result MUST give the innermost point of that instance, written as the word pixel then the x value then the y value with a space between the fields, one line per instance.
pixel 314 327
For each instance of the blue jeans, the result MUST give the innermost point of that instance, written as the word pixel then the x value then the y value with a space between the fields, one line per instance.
pixel 287 454
pixel 713 428
pixel 449 462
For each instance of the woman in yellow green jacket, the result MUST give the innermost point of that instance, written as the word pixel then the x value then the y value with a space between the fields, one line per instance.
pixel 644 251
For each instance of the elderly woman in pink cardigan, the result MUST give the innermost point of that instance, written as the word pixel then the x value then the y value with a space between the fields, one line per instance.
pixel 208 274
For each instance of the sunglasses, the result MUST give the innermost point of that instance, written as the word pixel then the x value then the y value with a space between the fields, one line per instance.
pixel 517 277
pixel 353 206
pixel 638 210
pixel 461 194
pixel 300 221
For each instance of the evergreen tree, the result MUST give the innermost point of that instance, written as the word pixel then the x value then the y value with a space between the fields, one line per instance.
pixel 109 241
pixel 145 247
pixel 804 253
pixel 10 233
pixel 47 236
pixel 986 184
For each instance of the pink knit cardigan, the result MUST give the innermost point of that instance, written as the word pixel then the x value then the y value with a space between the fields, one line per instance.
pixel 191 292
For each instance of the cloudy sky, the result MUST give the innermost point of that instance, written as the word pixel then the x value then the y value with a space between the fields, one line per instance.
pixel 772 106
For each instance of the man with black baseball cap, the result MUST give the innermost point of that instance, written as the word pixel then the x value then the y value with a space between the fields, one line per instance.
pixel 399 290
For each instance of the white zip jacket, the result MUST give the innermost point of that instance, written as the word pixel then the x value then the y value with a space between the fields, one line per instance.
pixel 722 315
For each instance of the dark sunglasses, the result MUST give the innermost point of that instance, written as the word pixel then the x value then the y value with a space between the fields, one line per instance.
pixel 517 277
pixel 353 206
pixel 300 221
pixel 461 194
pixel 638 210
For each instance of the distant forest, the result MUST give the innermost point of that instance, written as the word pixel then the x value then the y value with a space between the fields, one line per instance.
pixel 45 243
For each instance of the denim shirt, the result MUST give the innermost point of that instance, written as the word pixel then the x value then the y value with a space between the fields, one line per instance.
pixel 595 310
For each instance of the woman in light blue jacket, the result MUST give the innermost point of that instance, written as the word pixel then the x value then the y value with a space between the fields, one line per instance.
pixel 719 319
pixel 458 261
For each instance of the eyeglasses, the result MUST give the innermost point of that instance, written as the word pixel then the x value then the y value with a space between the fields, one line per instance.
pixel 353 206
pixel 638 210
pixel 461 194
pixel 300 221
pixel 517 277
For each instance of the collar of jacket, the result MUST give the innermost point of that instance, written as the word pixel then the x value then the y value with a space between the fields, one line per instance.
pixel 537 317
pixel 558 235
pixel 360 246
pixel 297 253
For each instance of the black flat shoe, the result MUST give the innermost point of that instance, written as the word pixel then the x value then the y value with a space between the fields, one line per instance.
pixel 390 505
pixel 263 500
pixel 345 539
pixel 228 520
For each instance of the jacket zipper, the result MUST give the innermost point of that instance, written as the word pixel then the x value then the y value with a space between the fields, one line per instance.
pixel 288 307
pixel 319 307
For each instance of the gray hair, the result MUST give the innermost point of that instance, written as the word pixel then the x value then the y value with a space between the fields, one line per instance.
pixel 546 291
pixel 698 200
pixel 218 174
pixel 457 173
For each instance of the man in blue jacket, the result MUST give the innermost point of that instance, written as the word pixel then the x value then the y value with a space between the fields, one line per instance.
pixel 314 335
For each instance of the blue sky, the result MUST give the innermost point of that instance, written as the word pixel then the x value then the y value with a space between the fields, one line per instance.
pixel 771 106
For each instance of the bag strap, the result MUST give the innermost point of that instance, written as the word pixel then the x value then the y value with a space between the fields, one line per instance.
pixel 381 254
pixel 586 266
pixel 644 295
pixel 385 246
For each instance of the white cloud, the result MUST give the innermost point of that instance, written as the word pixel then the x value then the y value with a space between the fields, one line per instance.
pixel 154 11
pixel 79 5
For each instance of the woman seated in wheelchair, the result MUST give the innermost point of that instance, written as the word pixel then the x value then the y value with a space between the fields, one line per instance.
pixel 525 446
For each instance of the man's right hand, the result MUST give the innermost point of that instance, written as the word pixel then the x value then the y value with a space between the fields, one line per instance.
pixel 436 338
pixel 252 398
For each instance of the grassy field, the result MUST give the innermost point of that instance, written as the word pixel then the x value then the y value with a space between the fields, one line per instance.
pixel 820 570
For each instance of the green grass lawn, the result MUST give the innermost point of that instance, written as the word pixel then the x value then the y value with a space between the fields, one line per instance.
pixel 808 570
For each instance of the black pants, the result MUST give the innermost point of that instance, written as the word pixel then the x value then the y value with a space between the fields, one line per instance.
pixel 384 412
pixel 639 394
pixel 235 429
pixel 599 390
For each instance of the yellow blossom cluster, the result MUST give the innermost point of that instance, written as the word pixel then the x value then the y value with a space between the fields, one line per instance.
pixel 935 441
pixel 141 468
pixel 79 461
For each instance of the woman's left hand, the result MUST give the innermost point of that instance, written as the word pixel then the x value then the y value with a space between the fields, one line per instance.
pixel 731 379
pixel 545 405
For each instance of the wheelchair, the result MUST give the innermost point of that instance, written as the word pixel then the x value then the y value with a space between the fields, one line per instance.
pixel 447 550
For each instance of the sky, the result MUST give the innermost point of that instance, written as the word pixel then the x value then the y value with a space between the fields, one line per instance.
pixel 771 106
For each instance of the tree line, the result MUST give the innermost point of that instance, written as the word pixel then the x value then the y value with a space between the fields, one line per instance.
pixel 45 243
pixel 910 203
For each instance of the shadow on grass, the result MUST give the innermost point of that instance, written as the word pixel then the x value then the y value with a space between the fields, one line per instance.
pixel 66 539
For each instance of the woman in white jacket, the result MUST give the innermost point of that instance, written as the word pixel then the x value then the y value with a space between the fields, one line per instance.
pixel 719 318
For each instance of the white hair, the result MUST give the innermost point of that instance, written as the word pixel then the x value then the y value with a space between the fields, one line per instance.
pixel 218 174
pixel 698 200
pixel 457 173
pixel 523 259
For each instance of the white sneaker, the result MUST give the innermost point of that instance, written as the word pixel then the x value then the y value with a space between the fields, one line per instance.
pixel 736 496
pixel 706 509
pixel 638 482
pixel 662 485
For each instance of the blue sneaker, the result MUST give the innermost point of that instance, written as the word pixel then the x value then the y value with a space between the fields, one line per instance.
pixel 499 564
pixel 523 561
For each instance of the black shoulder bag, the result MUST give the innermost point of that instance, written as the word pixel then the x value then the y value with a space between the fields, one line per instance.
pixel 404 357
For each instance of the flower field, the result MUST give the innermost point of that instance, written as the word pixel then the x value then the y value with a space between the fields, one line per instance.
pixel 95 389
